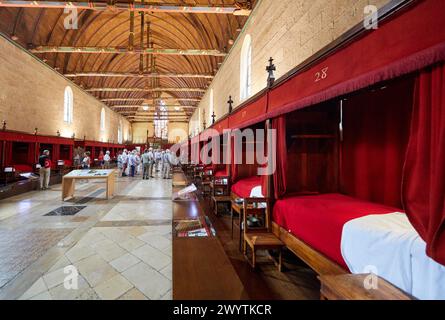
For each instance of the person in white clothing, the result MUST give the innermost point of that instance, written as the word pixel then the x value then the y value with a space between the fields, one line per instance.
pixel 151 158
pixel 166 164
pixel 124 163
pixel 107 159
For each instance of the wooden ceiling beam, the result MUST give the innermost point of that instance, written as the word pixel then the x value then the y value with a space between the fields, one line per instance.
pixel 142 99
pixel 140 106
pixel 137 75
pixel 126 50
pixel 198 90
pixel 239 9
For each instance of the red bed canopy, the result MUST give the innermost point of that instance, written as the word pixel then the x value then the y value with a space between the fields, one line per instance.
pixel 410 41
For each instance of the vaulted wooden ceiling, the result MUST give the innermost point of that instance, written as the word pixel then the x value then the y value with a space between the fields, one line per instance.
pixel 173 62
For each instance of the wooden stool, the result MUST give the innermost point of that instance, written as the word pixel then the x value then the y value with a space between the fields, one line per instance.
pixel 219 199
pixel 262 241
pixel 352 287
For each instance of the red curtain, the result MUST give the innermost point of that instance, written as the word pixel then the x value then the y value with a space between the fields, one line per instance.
pixel 233 165
pixel 424 172
pixel 376 129
pixel 32 154
pixel 8 153
pixel 279 177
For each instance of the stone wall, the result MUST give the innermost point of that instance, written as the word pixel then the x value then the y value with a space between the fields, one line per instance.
pixel 32 96
pixel 290 31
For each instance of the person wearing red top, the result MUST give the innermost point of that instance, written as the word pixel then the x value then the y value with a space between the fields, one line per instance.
pixel 45 170
pixel 101 159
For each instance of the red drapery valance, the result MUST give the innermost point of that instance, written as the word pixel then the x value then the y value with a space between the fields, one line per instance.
pixel 424 173
pixel 408 42
pixel 249 114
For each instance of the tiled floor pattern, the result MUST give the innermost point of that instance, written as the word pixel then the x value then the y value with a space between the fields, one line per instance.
pixel 121 248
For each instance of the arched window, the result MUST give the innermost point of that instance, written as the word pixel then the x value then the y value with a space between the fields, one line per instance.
pixel 246 68
pixel 199 120
pixel 102 119
pixel 68 103
pixel 211 107
pixel 119 133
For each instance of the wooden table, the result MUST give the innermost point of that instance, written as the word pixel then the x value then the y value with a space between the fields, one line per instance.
pixel 201 268
pixel 352 287
pixel 69 181
pixel 179 179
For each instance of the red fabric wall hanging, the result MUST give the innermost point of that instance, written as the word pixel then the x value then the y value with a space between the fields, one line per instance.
pixel 279 177
pixel 416 38
pixel 424 173
pixel 376 126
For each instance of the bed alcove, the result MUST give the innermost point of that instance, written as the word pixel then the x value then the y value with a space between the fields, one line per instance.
pixel 344 159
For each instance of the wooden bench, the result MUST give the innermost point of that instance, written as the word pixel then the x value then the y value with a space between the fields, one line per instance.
pixel 352 287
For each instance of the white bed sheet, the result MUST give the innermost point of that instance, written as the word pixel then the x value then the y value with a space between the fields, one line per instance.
pixel 256 192
pixel 390 246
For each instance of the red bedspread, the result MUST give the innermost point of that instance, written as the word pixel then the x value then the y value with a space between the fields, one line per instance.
pixel 318 220
pixel 244 187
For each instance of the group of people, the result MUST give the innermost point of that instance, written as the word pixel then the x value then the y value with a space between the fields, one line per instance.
pixel 82 159
pixel 150 162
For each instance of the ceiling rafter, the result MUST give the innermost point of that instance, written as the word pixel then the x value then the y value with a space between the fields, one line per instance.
pixel 98 29
pixel 238 9
pixel 126 50
pixel 137 75
pixel 194 90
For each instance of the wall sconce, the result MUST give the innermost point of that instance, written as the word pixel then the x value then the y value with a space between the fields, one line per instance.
pixel 58 133
pixel 35 131
pixel 213 117
pixel 73 135
pixel 4 125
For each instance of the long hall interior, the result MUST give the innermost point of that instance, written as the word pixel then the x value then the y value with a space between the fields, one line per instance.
pixel 222 150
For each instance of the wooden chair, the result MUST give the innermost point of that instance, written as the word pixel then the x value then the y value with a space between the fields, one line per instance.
pixel 206 181
pixel 220 191
pixel 197 173
pixel 260 236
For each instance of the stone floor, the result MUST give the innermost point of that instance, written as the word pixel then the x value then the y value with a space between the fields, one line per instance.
pixel 120 248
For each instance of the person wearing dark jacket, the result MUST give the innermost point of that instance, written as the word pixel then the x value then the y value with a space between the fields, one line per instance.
pixel 45 170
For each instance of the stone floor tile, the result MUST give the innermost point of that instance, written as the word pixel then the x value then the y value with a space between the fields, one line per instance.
pixel 133 294
pixel 150 282
pixel 95 270
pixel 79 252
pixel 167 271
pixel 113 288
pixel 38 287
pixel 110 252
pixel 124 262
pixel 45 295
pixel 153 257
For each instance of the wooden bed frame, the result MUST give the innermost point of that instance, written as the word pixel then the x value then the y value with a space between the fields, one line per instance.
pixel 317 261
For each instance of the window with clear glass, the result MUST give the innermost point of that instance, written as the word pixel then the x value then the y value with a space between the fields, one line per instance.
pixel 102 119
pixel 246 69
pixel 68 105
pixel 161 122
